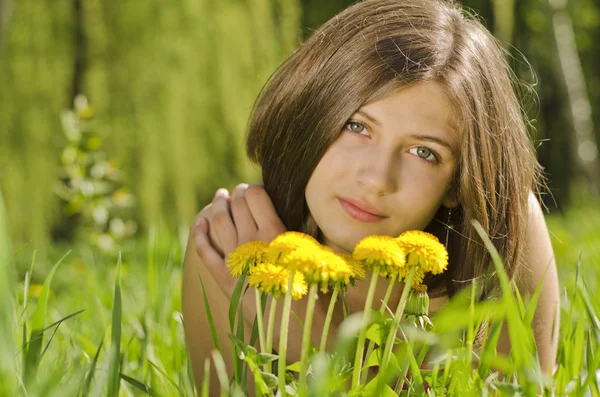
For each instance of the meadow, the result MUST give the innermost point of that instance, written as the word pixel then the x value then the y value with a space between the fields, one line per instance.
pixel 113 326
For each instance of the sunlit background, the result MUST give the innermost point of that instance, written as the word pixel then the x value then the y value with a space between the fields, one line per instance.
pixel 120 119
pixel 170 86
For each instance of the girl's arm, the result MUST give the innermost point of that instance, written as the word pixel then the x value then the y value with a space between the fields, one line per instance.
pixel 248 216
pixel 541 265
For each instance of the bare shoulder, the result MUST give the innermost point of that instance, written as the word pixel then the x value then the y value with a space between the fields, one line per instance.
pixel 539 269
pixel 539 261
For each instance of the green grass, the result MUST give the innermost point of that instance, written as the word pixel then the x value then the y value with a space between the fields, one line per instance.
pixel 90 326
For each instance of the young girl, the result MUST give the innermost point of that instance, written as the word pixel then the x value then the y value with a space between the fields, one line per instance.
pixel 394 115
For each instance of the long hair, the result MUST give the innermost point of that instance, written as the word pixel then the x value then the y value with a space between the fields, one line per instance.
pixel 370 50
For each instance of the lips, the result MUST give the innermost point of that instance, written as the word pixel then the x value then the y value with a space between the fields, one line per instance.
pixel 360 210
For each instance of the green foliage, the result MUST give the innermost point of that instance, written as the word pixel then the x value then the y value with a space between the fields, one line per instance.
pixel 172 85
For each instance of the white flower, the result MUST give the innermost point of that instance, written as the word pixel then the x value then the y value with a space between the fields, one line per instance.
pixel 117 227
pixel 98 170
pixel 105 242
pixel 86 188
pixel 100 215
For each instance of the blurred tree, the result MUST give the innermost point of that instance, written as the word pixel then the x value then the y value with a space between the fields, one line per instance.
pixel 3 18
pixel 583 140
pixel 172 83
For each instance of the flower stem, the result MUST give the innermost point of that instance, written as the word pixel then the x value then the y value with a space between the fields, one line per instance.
pixel 283 333
pixel 389 344
pixel 259 321
pixel 384 302
pixel 310 306
pixel 334 295
pixel 270 326
pixel 358 358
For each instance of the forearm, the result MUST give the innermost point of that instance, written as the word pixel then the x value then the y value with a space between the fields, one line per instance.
pixel 197 331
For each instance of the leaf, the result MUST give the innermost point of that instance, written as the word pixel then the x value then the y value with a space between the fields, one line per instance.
pixel 270 380
pixel 294 367
pixel 375 333
pixel 371 389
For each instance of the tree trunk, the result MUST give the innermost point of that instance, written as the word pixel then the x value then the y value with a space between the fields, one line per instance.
pixel 585 148
pixel 79 58
pixel 4 8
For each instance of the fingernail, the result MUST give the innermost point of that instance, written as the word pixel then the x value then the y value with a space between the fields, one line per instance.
pixel 222 192
pixel 239 190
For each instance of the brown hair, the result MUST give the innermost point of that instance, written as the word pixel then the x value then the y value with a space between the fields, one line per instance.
pixel 370 50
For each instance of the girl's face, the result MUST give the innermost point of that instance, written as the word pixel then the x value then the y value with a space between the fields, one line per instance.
pixel 390 169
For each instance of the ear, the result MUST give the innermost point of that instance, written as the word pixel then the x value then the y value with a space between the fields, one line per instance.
pixel 451 199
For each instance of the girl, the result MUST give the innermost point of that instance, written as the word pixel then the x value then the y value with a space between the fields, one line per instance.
pixel 394 115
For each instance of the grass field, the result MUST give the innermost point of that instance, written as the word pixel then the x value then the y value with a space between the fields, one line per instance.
pixel 125 333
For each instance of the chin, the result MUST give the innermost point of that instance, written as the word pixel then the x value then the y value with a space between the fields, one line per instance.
pixel 342 243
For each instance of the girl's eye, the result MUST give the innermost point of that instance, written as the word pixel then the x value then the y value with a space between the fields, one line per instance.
pixel 424 153
pixel 356 127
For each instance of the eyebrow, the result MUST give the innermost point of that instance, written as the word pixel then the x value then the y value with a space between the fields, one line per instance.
pixel 421 137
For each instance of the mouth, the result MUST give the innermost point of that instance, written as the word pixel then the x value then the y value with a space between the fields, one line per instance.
pixel 361 211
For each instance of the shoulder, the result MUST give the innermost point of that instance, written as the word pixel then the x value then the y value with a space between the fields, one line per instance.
pixel 539 256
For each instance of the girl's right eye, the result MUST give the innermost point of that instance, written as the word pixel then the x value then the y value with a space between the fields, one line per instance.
pixel 357 127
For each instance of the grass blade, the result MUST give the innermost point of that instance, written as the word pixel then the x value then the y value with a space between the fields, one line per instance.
pixel 138 385
pixel 164 374
pixel 521 338
pixel 211 322
pixel 27 282
pixel 90 374
pixel 206 379
pixel 114 361
pixel 34 350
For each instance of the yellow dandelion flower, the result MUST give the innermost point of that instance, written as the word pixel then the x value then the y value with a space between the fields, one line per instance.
pixel 358 271
pixel 383 253
pixel 248 254
pixel 287 242
pixel 319 265
pixel 299 286
pixel 273 279
pixel 424 250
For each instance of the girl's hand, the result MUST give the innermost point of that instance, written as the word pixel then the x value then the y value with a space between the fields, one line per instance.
pixel 228 222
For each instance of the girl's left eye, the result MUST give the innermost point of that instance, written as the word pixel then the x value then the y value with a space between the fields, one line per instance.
pixel 356 127
pixel 425 153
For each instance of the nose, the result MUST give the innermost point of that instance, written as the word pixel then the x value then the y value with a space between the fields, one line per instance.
pixel 377 172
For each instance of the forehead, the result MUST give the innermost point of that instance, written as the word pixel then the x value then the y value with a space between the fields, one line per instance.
pixel 417 105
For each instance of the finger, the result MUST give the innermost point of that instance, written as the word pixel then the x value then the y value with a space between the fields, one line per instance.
pixel 211 258
pixel 263 210
pixel 222 222
pixel 213 238
pixel 242 217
